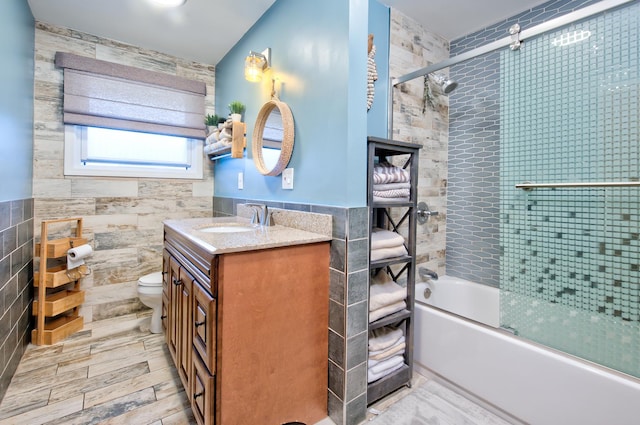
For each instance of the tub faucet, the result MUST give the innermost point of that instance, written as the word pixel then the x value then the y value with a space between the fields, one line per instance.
pixel 426 274
pixel 261 215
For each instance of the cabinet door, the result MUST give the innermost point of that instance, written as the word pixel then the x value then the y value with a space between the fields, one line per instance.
pixel 202 389
pixel 165 315
pixel 166 293
pixel 184 349
pixel 174 312
pixel 204 325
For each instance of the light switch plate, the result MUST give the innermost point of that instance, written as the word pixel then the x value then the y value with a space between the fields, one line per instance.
pixel 287 178
pixel 240 181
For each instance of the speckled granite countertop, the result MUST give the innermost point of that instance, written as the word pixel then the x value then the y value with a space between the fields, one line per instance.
pixel 258 237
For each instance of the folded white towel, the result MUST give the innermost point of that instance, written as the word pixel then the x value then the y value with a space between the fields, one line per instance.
pixel 389 363
pixel 383 338
pixel 383 291
pixel 397 348
pixel 398 342
pixel 387 310
pixel 392 186
pixel 389 200
pixel 392 194
pixel 382 253
pixel 373 376
pixel 381 238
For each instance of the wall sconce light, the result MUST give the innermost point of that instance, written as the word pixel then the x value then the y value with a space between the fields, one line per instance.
pixel 255 64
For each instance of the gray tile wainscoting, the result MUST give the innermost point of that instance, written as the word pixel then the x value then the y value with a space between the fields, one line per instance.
pixel 16 277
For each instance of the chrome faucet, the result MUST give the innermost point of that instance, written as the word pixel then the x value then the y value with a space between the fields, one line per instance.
pixel 261 215
pixel 426 274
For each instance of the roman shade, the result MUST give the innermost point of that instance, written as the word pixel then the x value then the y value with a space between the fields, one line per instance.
pixel 104 94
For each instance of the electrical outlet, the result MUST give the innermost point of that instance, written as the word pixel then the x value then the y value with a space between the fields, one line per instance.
pixel 287 178
pixel 240 181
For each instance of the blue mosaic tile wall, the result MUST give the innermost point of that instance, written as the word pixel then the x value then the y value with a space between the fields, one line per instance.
pixel 570 272
pixel 473 237
pixel 473 196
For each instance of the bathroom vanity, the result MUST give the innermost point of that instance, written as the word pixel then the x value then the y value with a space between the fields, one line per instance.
pixel 245 312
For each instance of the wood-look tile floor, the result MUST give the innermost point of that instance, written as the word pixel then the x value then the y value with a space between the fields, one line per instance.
pixel 112 372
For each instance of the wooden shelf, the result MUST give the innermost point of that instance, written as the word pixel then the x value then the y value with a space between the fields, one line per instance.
pixel 58 247
pixel 59 302
pixel 224 152
pixel 56 311
pixel 238 144
pixel 54 277
pixel 59 329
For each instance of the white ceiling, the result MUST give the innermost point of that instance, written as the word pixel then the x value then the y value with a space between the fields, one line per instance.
pixel 205 30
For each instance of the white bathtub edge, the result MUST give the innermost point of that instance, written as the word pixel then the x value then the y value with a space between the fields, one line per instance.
pixel 528 381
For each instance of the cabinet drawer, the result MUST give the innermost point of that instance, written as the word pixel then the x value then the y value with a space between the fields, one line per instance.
pixel 204 325
pixel 173 333
pixel 202 390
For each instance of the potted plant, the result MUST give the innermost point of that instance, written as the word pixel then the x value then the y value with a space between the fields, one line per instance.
pixel 211 121
pixel 236 108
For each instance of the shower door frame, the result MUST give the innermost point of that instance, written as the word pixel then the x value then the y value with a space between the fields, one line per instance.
pixel 517 37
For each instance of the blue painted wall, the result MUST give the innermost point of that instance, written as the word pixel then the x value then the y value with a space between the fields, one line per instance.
pixel 319 60
pixel 16 100
pixel 379 16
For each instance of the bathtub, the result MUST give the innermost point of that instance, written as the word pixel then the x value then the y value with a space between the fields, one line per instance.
pixel 457 341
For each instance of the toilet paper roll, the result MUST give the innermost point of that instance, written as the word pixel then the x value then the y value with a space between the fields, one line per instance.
pixel 76 256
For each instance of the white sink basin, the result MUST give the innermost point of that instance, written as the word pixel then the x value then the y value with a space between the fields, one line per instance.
pixel 228 228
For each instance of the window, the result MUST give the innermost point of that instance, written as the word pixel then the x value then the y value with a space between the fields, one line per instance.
pixel 124 121
pixel 93 151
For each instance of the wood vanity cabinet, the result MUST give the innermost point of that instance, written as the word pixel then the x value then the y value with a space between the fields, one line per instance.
pixel 248 331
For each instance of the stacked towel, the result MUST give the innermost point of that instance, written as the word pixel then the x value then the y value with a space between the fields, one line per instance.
pixel 386 296
pixel 386 352
pixel 386 244
pixel 219 138
pixel 390 183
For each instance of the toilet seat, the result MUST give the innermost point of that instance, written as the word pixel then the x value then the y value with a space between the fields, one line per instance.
pixel 151 279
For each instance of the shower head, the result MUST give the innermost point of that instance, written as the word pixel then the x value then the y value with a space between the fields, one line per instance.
pixel 445 84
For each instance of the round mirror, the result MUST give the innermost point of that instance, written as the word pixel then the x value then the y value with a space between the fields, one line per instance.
pixel 272 142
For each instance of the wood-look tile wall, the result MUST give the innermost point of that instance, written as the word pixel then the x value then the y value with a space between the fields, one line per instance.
pixel 413 47
pixel 122 216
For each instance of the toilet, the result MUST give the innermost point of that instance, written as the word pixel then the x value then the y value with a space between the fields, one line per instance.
pixel 150 294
